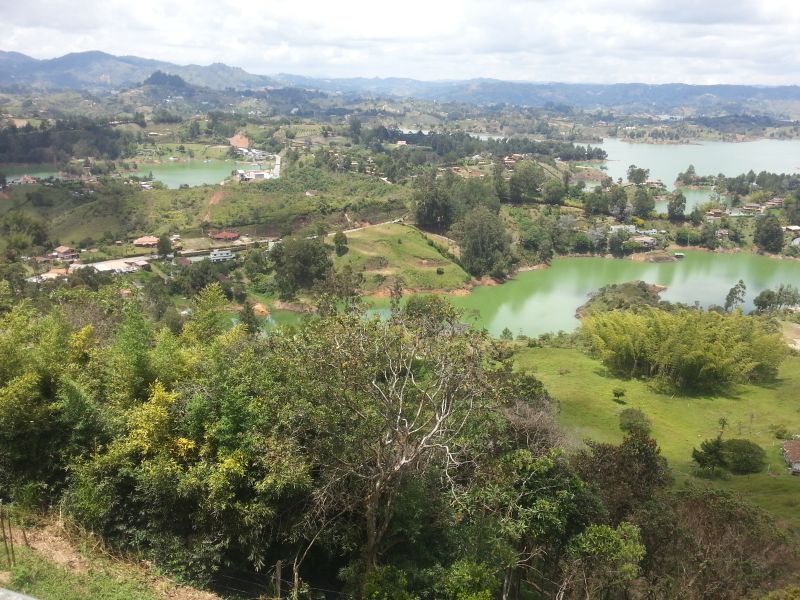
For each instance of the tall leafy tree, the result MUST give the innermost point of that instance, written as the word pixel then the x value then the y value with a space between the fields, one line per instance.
pixel 484 243
pixel 735 296
pixel 643 202
pixel 299 263
pixel 676 206
pixel 637 175
pixel 526 182
pixel 769 234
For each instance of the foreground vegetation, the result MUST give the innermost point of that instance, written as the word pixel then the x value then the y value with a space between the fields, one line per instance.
pixel 405 457
pixel 399 458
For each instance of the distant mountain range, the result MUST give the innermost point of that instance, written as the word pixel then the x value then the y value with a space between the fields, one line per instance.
pixel 97 71
pixel 581 95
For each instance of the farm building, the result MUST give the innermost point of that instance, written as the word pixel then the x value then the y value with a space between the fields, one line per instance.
pixel 224 236
pixel 646 241
pixel 146 241
pixel 65 253
pixel 791 453
pixel 254 175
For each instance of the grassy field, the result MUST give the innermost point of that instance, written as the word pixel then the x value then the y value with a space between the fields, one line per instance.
pixel 385 252
pixel 47 580
pixel 583 388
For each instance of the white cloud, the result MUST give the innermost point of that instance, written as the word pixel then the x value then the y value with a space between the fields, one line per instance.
pixel 694 41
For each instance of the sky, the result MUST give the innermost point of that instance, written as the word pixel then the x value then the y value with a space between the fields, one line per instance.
pixel 589 41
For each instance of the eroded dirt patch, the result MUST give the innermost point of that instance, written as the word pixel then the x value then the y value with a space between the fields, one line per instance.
pixel 240 140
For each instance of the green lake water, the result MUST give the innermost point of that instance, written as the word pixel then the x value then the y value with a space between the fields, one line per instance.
pixel 171 174
pixel 665 161
pixel 545 301
pixel 191 172
pixel 537 302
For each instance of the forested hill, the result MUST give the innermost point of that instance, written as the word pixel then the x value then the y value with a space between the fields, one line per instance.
pixel 98 71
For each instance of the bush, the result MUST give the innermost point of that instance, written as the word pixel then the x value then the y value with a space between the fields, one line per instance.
pixel 686 349
pixel 633 420
pixel 781 432
pixel 386 583
pixel 743 456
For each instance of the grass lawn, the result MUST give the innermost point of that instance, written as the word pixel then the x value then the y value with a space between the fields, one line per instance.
pixel 388 251
pixel 583 388
pixel 46 580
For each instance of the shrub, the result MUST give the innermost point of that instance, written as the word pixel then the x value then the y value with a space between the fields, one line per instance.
pixel 633 420
pixel 686 349
pixel 781 432
pixel 386 583
pixel 743 456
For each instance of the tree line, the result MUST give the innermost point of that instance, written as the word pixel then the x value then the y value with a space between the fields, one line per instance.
pixel 63 140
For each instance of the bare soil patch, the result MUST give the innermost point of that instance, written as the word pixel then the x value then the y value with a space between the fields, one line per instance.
pixel 49 542
pixel 215 199
pixel 292 306
pixel 53 545
pixel 791 333
pixel 240 140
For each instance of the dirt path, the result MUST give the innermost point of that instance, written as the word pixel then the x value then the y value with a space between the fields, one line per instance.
pixel 791 333
pixel 52 545
pixel 215 199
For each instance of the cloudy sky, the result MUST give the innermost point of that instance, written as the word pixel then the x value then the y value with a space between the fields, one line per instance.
pixel 653 41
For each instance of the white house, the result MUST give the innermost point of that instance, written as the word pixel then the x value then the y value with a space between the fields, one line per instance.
pixel 220 256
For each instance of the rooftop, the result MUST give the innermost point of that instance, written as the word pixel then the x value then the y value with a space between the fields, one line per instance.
pixel 791 449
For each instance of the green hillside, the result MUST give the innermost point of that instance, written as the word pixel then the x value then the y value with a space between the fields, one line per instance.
pixel 583 388
pixel 386 252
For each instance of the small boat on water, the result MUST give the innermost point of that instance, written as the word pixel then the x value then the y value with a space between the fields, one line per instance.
pixel 679 255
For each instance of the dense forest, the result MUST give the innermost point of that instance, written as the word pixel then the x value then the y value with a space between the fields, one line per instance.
pixel 64 139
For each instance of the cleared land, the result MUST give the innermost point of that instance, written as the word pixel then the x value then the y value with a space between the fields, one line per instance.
pixel 385 252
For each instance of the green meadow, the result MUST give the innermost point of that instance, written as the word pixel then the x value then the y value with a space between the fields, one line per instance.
pixel 587 410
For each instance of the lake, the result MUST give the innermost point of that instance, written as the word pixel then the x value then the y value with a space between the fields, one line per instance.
pixel 171 174
pixel 191 172
pixel 543 301
pixel 665 161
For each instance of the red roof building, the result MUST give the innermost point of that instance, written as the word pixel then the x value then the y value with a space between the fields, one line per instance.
pixel 791 452
pixel 224 236
pixel 146 241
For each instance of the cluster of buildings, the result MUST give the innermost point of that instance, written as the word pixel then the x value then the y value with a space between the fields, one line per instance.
pixel 253 154
pixel 116 266
pixel 258 174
